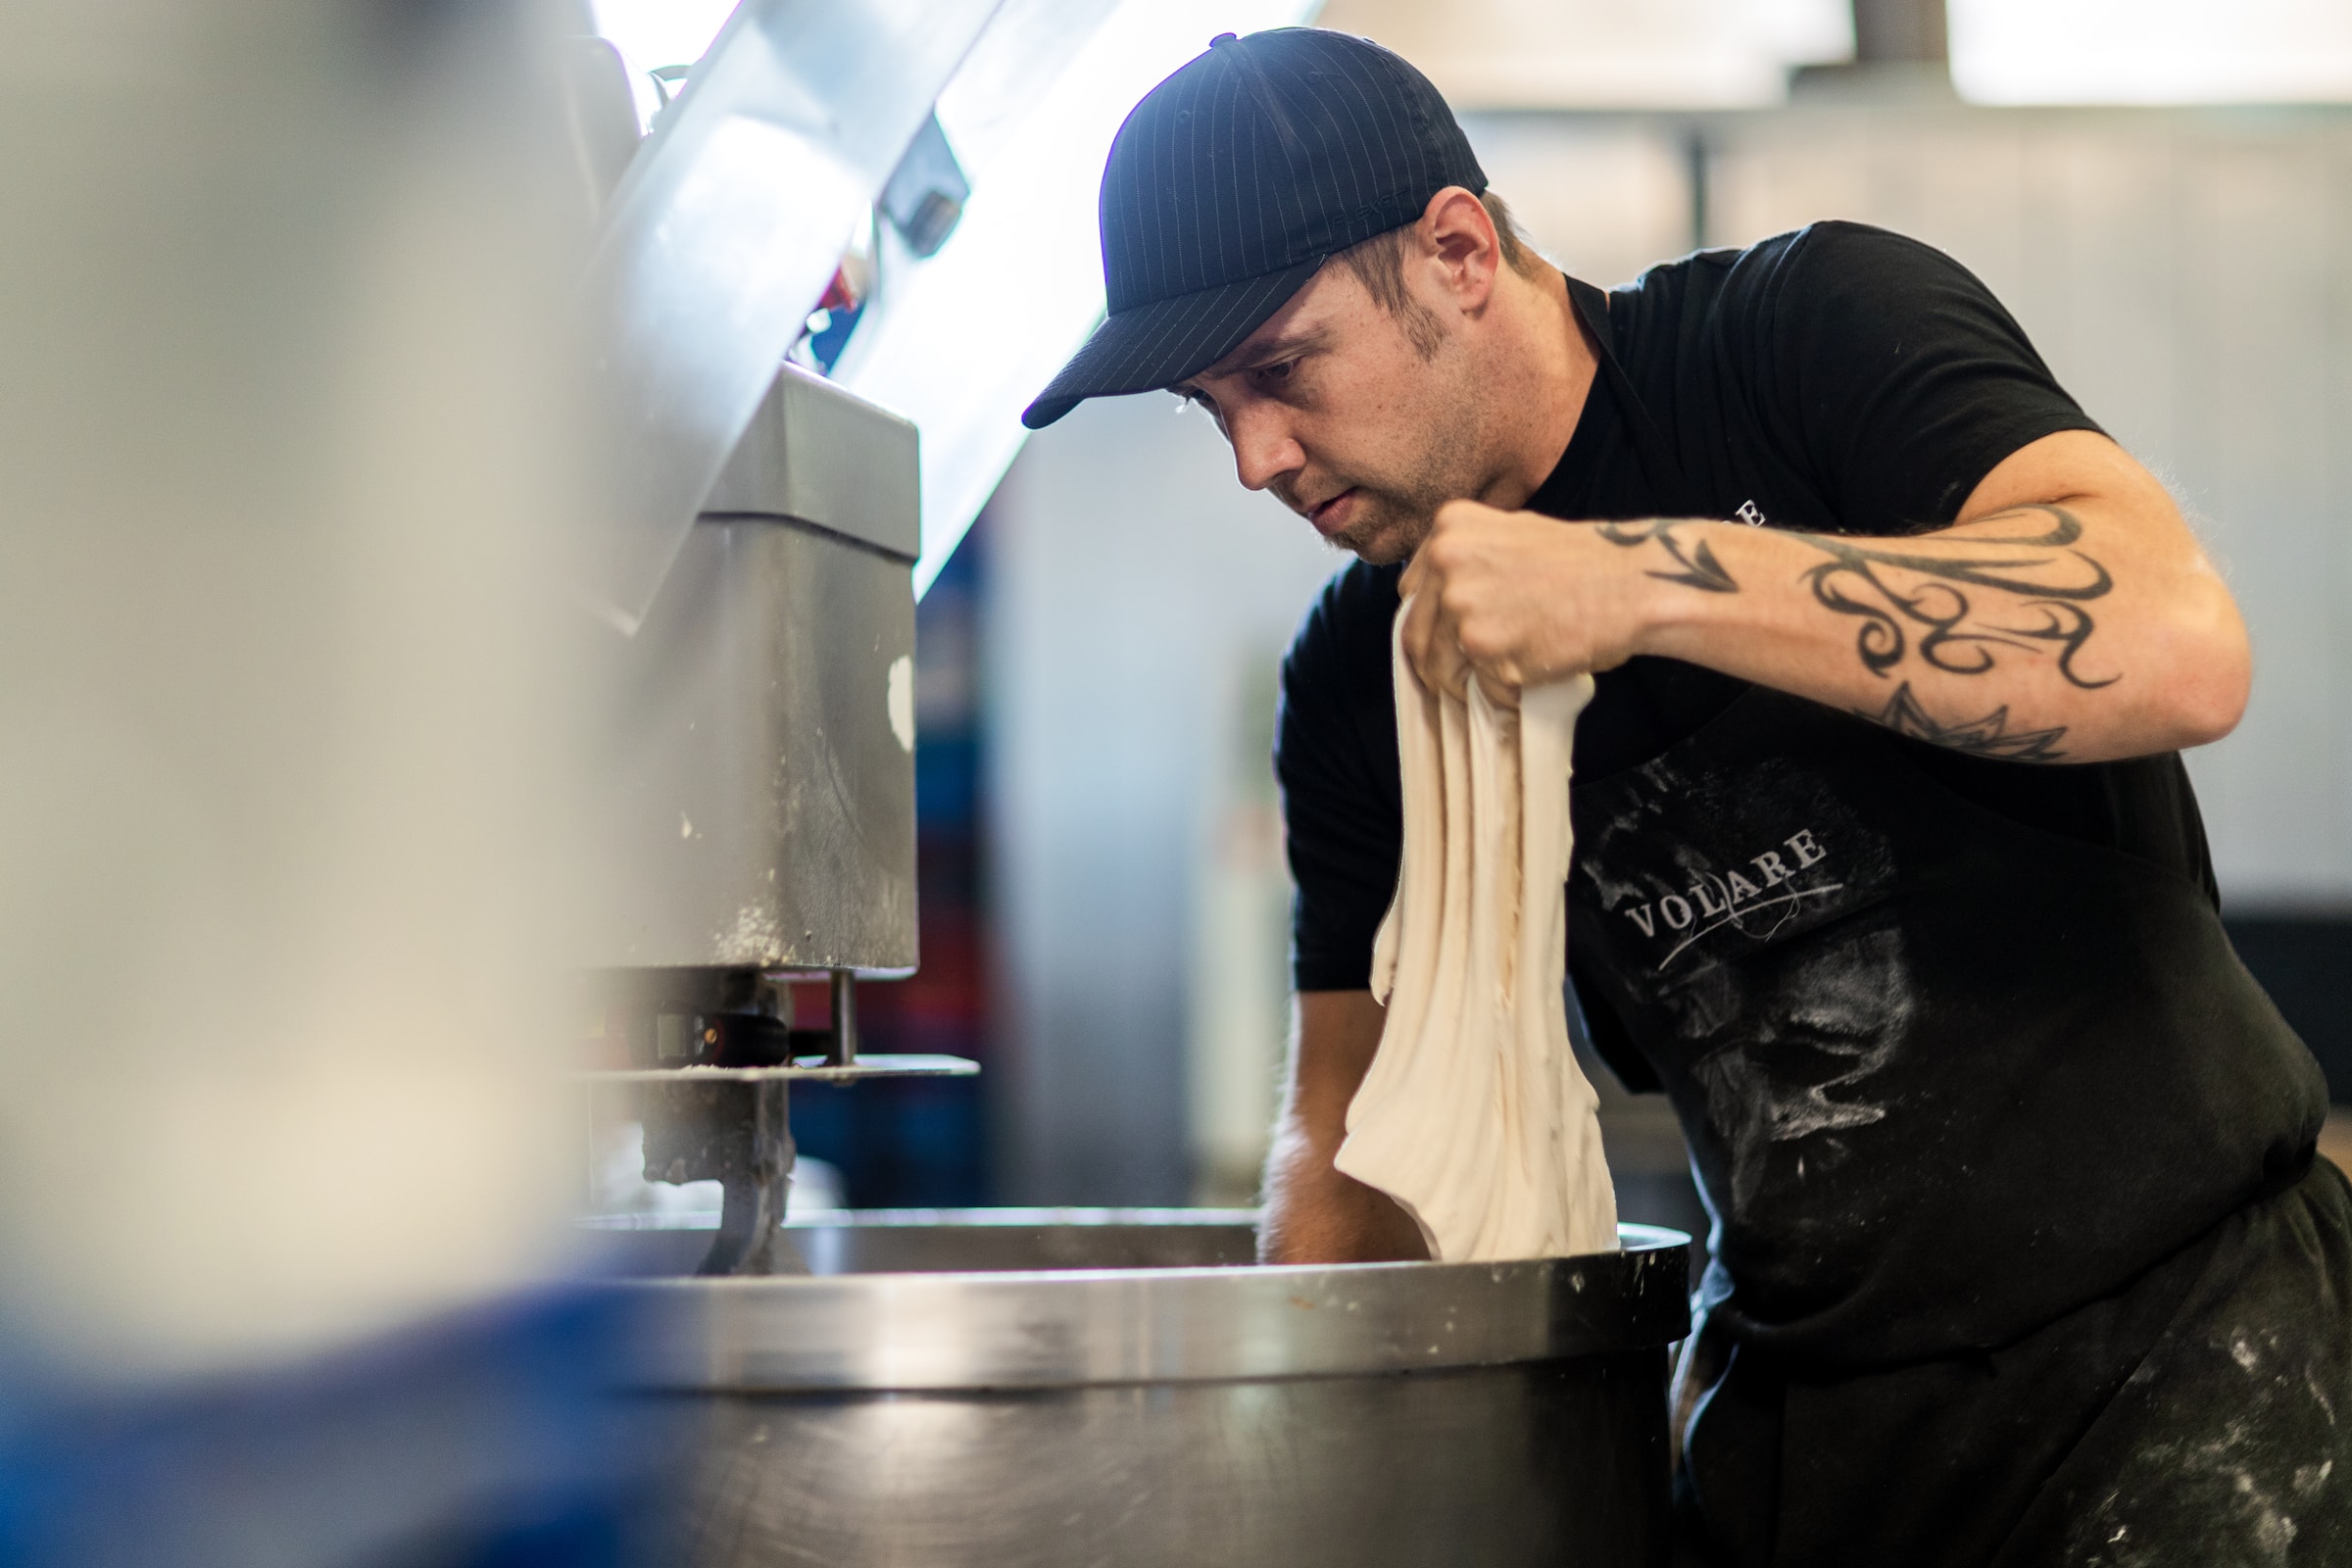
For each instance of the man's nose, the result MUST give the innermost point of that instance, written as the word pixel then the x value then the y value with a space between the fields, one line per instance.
pixel 1263 447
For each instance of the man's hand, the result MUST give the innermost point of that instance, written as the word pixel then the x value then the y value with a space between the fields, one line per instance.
pixel 2068 615
pixel 1519 598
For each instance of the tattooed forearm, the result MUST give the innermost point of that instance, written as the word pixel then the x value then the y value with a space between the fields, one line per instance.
pixel 1699 568
pixel 2015 592
pixel 1990 736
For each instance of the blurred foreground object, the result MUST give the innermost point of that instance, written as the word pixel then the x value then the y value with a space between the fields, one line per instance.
pixel 285 817
pixel 490 1439
pixel 282 802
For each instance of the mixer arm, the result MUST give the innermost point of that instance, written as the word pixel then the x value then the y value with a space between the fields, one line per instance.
pixel 722 236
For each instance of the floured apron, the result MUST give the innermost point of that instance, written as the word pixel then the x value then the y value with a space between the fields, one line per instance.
pixel 1947 1077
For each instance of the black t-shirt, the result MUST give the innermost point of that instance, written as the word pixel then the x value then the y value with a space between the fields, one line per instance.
pixel 1835 379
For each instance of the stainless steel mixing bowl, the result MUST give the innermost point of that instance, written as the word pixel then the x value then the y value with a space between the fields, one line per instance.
pixel 1052 1389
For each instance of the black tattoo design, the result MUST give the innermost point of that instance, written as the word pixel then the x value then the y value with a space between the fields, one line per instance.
pixel 1951 636
pixel 1701 569
pixel 1990 736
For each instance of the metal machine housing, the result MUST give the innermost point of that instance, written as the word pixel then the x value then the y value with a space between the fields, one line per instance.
pixel 754 770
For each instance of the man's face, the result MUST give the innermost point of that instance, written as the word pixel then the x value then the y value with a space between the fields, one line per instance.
pixel 1332 407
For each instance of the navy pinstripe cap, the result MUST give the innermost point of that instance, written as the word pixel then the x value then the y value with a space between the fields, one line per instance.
pixel 1234 179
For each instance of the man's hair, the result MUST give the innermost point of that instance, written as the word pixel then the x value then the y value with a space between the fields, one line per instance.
pixel 1379 264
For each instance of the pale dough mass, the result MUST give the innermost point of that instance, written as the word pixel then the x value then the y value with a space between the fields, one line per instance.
pixel 1474 1115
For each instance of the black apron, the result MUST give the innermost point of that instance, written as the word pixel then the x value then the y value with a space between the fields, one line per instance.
pixel 1945 1076
pixel 2021 1257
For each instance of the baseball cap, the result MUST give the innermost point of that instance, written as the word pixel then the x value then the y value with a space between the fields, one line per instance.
pixel 1234 181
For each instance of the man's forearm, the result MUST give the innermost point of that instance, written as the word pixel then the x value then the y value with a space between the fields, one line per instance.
pixel 1313 1213
pixel 2069 615
pixel 2033 635
pixel 1316 1214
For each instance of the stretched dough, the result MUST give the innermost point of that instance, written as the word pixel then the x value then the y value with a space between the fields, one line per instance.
pixel 1474 1115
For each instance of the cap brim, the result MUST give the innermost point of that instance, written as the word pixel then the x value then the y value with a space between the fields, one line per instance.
pixel 1160 344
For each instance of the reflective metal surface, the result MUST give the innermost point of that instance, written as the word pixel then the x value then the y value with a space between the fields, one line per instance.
pixel 1532 1465
pixel 815 1069
pixel 820 455
pixel 926 1241
pixel 1211 1413
pixel 755 779
pixel 1165 1325
pixel 842 1052
pixel 722 235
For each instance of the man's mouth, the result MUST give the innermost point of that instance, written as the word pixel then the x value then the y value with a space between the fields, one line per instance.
pixel 1328 516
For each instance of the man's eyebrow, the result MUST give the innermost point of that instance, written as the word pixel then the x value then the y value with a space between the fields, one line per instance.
pixel 1288 345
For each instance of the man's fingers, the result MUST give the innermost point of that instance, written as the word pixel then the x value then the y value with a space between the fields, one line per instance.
pixel 1500 690
pixel 1430 646
pixel 1448 670
pixel 1501 583
pixel 1431 636
pixel 1443 666
pixel 1458 512
pixel 1420 610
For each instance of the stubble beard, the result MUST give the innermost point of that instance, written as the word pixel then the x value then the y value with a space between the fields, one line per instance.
pixel 1399 514
pixel 1392 526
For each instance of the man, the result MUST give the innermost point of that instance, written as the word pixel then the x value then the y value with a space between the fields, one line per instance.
pixel 1887 872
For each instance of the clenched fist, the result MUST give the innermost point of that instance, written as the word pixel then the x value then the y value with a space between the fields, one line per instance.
pixel 1518 599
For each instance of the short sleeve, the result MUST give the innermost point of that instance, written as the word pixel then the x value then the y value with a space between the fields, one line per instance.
pixel 1335 757
pixel 1894 372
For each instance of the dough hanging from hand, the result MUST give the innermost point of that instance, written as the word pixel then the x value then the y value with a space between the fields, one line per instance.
pixel 1474 1115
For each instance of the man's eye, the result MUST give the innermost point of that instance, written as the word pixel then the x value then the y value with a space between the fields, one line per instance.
pixel 1280 371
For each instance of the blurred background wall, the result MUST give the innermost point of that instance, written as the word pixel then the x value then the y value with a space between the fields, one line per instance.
pixel 1139 601
pixel 2185 266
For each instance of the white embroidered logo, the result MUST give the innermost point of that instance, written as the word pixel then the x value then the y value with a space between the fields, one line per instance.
pixel 1720 899
pixel 1750 514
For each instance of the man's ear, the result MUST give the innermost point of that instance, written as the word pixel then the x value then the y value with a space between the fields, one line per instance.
pixel 1457 240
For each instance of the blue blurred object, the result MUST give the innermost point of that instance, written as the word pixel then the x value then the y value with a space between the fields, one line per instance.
pixel 492 1439
pixel 827 339
pixel 915 1144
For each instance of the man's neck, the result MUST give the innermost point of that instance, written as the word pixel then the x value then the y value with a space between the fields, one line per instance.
pixel 1544 370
